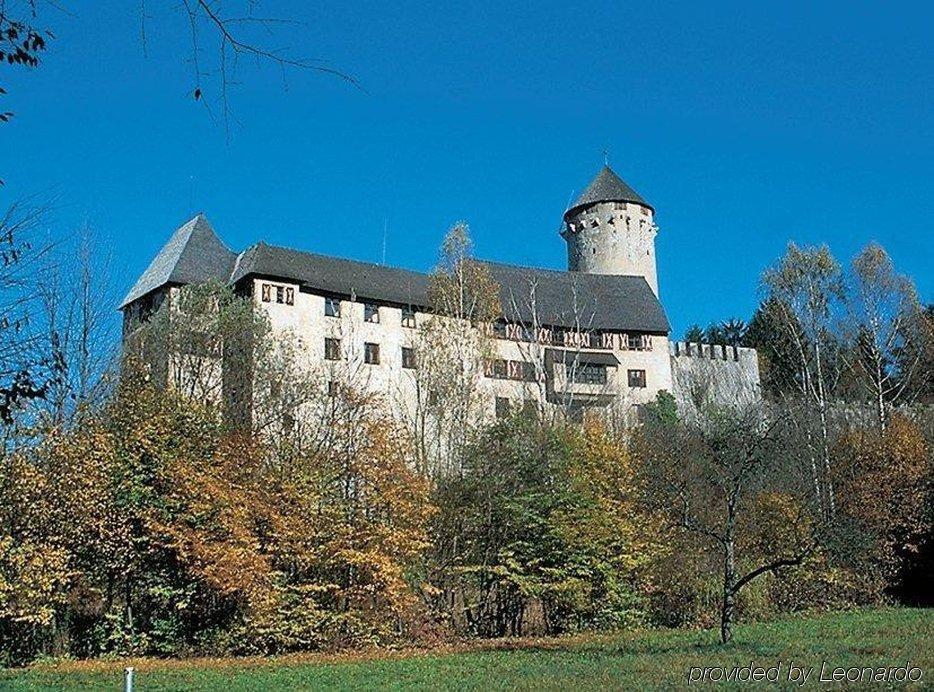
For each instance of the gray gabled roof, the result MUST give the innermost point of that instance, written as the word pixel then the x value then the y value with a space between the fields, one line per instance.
pixel 578 300
pixel 554 298
pixel 193 254
pixel 333 274
pixel 607 187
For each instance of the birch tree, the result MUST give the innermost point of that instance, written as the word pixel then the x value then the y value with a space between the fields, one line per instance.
pixel 453 346
pixel 890 331
pixel 805 293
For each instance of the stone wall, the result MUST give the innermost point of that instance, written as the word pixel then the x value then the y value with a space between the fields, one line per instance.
pixel 704 374
pixel 613 238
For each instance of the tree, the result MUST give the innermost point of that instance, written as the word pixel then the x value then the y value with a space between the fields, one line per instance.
pixel 26 370
pixel 728 480
pixel 890 331
pixel 884 479
pixel 76 327
pixel 453 347
pixel 542 531
pixel 734 331
pixel 776 349
pixel 694 334
pixel 804 294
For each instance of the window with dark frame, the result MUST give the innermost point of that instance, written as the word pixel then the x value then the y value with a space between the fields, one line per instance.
pixel 502 407
pixel 371 353
pixel 637 379
pixel 371 312
pixel 408 317
pixel 588 373
pixel 332 307
pixel 280 294
pixel 408 358
pixel 289 295
pixel 500 330
pixel 332 349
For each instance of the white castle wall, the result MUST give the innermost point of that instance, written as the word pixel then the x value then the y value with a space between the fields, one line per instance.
pixel 704 374
pixel 305 323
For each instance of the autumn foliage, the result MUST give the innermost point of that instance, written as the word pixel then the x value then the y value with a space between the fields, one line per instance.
pixel 151 531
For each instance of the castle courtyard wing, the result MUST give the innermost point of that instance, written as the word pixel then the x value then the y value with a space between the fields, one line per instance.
pixel 528 295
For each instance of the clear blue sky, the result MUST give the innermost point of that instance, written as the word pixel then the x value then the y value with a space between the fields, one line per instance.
pixel 746 124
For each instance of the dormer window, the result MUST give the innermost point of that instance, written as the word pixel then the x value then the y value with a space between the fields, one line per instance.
pixel 371 312
pixel 408 317
pixel 332 307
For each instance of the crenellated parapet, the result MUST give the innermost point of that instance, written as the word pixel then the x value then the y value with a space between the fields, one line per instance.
pixel 693 349
pixel 704 374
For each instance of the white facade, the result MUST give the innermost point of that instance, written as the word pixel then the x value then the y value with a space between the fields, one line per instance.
pixel 639 363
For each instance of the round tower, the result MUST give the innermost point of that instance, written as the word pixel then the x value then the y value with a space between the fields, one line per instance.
pixel 610 229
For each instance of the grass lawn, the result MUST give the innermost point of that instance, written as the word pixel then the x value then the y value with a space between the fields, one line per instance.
pixel 886 637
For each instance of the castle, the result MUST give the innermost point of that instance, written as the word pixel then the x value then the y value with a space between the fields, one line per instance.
pixel 593 337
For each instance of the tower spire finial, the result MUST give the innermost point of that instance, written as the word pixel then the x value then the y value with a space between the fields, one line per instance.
pixel 606 157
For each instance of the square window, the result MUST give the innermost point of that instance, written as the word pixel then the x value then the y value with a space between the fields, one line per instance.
pixel 408 358
pixel 408 317
pixel 500 330
pixel 637 378
pixel 371 353
pixel 332 307
pixel 371 312
pixel 634 342
pixel 332 349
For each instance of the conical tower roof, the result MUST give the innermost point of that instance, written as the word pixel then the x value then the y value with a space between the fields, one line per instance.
pixel 607 187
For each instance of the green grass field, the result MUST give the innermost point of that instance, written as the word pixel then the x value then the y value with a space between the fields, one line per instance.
pixel 647 659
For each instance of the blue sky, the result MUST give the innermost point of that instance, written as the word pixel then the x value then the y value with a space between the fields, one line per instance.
pixel 746 124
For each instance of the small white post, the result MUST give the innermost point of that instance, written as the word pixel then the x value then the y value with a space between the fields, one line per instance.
pixel 128 679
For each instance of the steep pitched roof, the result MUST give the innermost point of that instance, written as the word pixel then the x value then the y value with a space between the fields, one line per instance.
pixel 193 254
pixel 555 298
pixel 607 187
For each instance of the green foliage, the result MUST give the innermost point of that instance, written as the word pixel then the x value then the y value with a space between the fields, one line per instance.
pixel 663 411
pixel 541 533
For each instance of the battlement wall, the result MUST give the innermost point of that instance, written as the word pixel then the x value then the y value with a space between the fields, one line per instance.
pixel 704 374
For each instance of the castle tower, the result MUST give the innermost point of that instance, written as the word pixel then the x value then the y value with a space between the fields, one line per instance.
pixel 610 230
